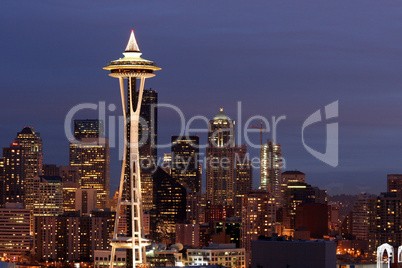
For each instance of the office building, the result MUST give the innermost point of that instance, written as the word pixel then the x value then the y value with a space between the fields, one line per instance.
pixel 2 183
pixel 14 174
pixel 193 208
pixel 169 206
pixel 227 231
pixel 14 230
pixel 258 217
pixel 69 199
pixel 243 177
pixel 88 128
pixel 148 128
pixel 359 220
pixel 299 193
pixel 33 159
pixel 220 160
pixel 271 169
pixel 384 221
pixel 91 156
pixel 47 196
pixel 185 165
pixel 290 176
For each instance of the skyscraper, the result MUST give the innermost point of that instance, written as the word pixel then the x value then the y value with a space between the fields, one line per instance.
pixel 220 160
pixel 32 143
pixel 147 137
pixel 131 67
pixel 290 176
pixel 243 177
pixel 148 128
pixel 88 128
pixel 14 174
pixel 271 166
pixel 169 206
pixel 185 165
pixel 300 193
pixel 90 153
pixel 2 189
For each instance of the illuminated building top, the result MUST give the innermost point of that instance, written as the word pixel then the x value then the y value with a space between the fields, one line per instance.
pixel 221 115
pixel 132 62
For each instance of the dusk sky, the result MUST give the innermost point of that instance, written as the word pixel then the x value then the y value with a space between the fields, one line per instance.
pixel 277 58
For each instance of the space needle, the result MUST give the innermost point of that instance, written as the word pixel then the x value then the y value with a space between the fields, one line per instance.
pixel 133 68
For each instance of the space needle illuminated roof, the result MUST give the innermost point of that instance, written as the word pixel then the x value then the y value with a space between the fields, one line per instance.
pixel 132 61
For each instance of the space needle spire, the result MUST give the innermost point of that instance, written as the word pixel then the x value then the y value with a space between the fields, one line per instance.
pixel 133 68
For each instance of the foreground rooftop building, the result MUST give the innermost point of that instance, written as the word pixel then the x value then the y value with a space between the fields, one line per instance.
pixel 293 254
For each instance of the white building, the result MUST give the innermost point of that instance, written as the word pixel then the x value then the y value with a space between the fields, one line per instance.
pixel 102 258
pixel 217 254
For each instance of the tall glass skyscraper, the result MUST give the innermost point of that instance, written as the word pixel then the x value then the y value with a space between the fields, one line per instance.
pixel 271 169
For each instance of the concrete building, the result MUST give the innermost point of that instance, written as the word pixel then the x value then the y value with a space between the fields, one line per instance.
pixel 14 230
pixel 293 254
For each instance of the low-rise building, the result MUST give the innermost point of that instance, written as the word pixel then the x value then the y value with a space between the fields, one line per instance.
pixel 226 255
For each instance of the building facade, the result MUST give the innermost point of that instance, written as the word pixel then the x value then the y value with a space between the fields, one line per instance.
pixel 14 174
pixel 243 177
pixel 91 156
pixel 14 230
pixel 33 159
pixel 220 160
pixel 258 217
pixel 184 164
pixel 271 170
